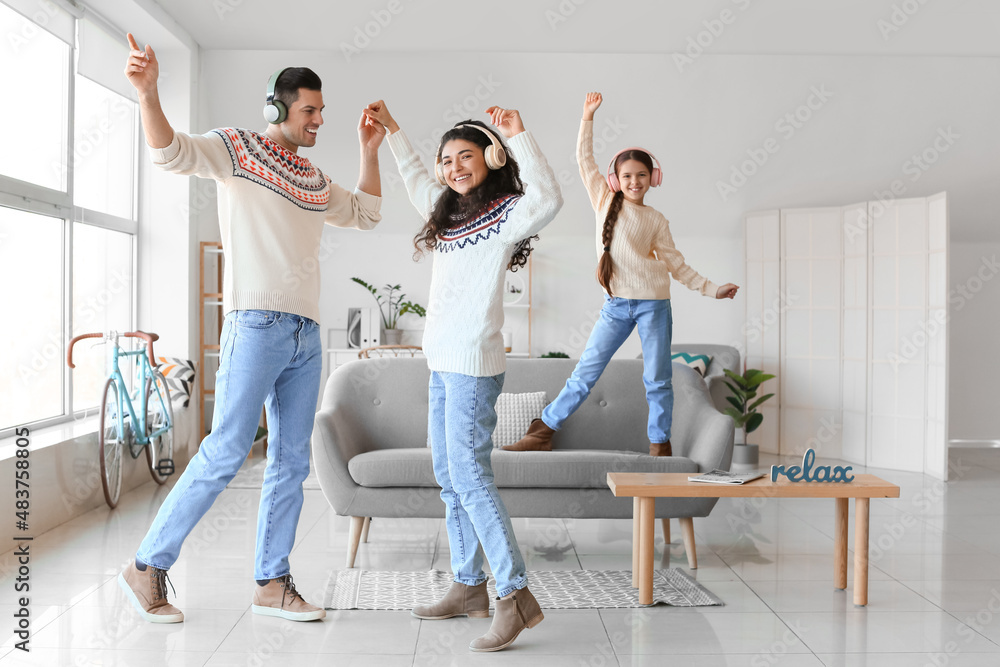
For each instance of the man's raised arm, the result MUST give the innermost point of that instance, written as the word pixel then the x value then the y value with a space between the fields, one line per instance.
pixel 142 71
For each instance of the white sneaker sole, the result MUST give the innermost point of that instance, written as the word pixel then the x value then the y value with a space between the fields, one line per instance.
pixel 289 615
pixel 152 618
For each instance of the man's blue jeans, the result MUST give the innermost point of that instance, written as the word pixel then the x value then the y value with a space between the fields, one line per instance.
pixel 461 420
pixel 618 317
pixel 270 359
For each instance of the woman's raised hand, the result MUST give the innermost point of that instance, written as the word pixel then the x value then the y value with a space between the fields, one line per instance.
pixel 370 133
pixel 378 112
pixel 508 121
pixel 141 68
pixel 727 291
pixel 591 104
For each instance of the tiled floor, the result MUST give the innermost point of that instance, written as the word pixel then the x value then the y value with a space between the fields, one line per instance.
pixel 934 593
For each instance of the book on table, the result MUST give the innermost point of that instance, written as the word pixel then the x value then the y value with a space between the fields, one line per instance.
pixel 726 477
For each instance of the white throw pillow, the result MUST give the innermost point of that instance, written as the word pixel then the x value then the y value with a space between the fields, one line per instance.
pixel 514 414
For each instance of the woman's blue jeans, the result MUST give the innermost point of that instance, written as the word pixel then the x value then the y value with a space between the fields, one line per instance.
pixel 461 419
pixel 266 359
pixel 618 317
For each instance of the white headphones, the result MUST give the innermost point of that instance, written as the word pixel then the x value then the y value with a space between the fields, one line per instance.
pixel 275 111
pixel 495 155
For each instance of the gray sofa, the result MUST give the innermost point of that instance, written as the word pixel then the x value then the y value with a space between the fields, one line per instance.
pixel 371 456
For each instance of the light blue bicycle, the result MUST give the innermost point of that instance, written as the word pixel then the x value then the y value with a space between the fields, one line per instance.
pixel 146 426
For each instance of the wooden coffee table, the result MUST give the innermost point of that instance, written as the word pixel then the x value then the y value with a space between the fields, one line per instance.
pixel 647 487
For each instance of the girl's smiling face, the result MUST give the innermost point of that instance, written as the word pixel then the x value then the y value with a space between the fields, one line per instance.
pixel 463 165
pixel 634 179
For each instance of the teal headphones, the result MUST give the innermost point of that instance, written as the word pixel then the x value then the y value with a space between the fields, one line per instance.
pixel 275 111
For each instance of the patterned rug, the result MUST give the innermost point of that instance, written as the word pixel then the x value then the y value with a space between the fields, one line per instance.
pixel 565 589
pixel 251 476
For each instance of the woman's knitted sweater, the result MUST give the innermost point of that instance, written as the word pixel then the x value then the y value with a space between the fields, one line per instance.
pixel 465 311
pixel 642 248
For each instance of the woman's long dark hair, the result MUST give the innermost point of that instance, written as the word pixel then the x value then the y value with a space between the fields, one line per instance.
pixel 454 210
pixel 606 267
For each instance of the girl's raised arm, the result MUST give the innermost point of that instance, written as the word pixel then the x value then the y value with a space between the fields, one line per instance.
pixel 593 179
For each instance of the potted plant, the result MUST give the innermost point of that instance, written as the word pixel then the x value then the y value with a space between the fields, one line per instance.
pixel 391 306
pixel 744 413
pixel 554 355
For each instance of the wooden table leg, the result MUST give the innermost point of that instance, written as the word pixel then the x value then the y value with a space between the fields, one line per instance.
pixel 840 544
pixel 687 527
pixel 647 511
pixel 635 542
pixel 861 552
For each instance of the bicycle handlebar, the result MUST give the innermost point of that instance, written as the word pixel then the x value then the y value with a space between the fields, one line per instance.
pixel 149 338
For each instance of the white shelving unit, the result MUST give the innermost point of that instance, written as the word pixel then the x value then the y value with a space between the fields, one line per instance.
pixel 208 346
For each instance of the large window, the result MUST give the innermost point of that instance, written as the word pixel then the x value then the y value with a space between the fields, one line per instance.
pixel 34 69
pixel 68 224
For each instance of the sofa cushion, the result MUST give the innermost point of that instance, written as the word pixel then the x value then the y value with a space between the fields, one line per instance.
pixel 514 415
pixel 566 468
pixel 699 362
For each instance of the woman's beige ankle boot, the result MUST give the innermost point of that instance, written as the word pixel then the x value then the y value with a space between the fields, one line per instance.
pixel 460 600
pixel 513 614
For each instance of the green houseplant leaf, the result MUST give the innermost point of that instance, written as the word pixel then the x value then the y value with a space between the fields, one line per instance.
pixel 390 302
pixel 744 389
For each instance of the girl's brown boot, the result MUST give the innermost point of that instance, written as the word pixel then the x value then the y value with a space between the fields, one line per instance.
pixel 537 439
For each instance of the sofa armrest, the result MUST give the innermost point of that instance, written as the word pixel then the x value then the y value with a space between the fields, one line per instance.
pixel 713 439
pixel 332 448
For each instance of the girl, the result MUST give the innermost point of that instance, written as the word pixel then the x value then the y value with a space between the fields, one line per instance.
pixel 637 257
pixel 478 218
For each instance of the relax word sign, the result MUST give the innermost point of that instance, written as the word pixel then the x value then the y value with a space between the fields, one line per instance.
pixel 806 473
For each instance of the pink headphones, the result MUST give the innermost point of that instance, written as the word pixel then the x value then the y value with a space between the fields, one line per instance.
pixel 654 179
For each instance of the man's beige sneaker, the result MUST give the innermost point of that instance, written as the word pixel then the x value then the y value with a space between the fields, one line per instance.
pixel 279 598
pixel 147 589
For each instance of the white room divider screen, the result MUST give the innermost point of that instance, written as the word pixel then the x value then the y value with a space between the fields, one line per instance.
pixel 848 307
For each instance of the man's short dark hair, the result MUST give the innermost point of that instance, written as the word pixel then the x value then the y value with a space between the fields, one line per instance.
pixel 286 88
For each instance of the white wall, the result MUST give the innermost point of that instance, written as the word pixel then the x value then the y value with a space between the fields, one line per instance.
pixel 974 309
pixel 703 123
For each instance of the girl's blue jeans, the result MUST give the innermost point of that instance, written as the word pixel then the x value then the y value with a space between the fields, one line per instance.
pixel 462 416
pixel 618 317
pixel 270 359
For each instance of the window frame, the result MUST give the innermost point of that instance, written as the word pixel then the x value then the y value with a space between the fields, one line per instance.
pixel 32 198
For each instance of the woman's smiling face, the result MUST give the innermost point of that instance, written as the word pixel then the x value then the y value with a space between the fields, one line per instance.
pixel 463 165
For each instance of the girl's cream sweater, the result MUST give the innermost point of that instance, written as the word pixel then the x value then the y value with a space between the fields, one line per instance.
pixel 642 248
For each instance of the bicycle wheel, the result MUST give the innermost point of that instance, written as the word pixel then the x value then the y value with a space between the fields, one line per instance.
pixel 112 438
pixel 159 411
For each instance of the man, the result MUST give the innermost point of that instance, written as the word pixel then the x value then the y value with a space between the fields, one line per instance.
pixel 272 207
